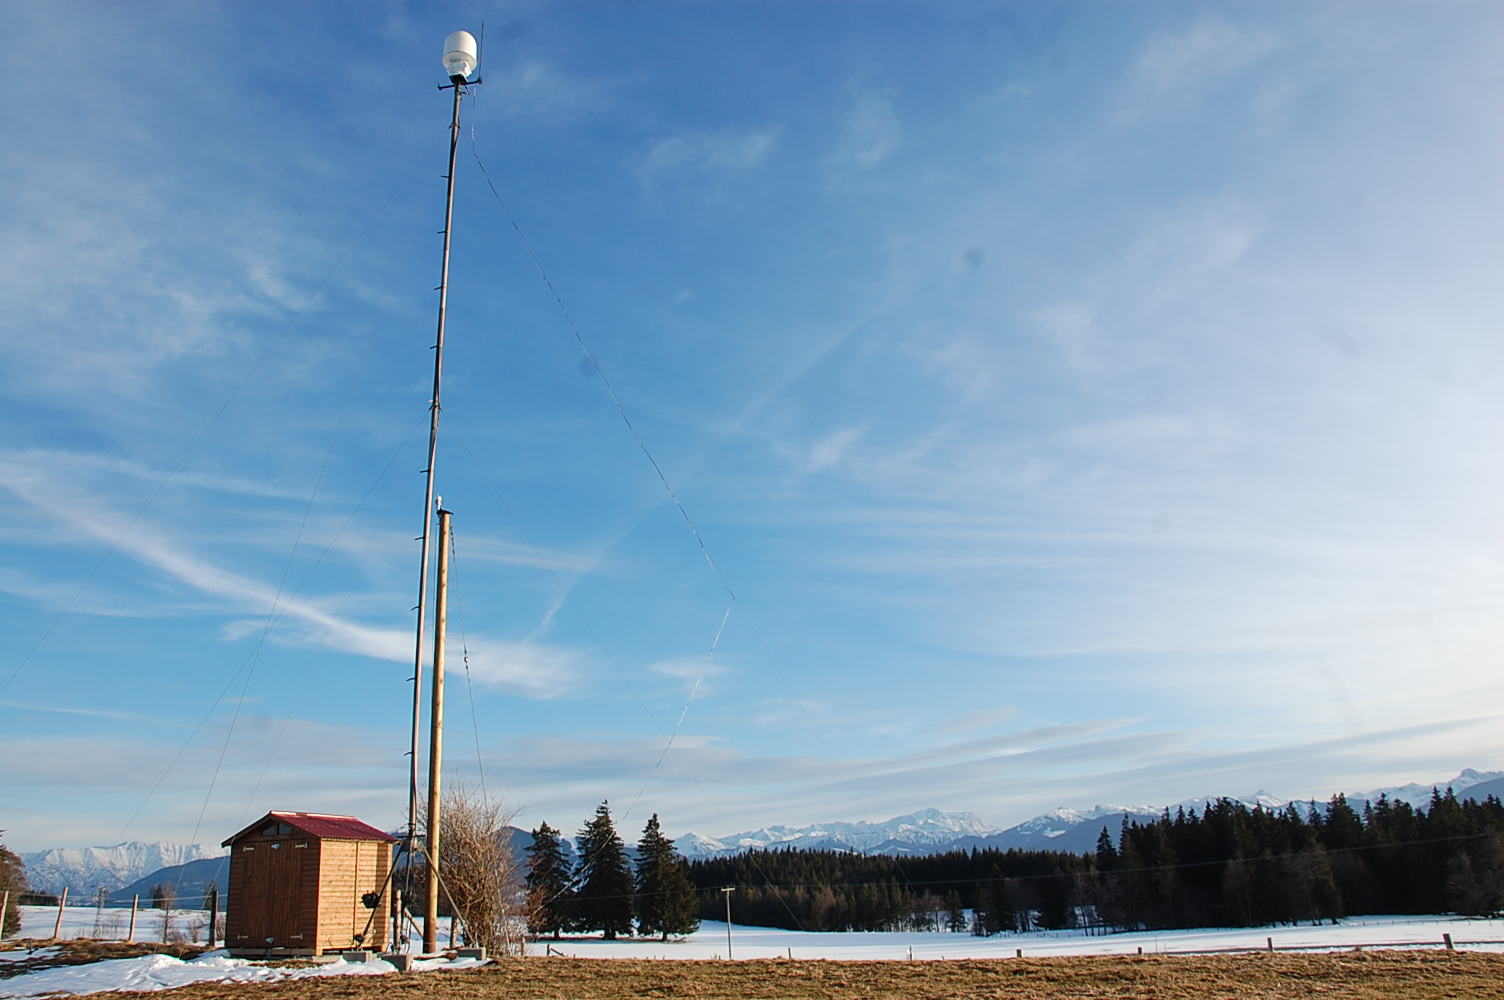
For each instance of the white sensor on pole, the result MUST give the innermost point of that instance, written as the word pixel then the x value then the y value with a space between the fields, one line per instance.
pixel 460 55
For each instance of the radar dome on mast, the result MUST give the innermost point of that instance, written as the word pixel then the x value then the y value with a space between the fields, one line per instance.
pixel 460 55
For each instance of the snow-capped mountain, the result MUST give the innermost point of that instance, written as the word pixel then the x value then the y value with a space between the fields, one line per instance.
pixel 931 831
pixel 923 832
pixel 1468 784
pixel 84 870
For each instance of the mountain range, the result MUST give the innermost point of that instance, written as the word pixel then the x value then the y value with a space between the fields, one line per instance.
pixel 931 831
pixel 134 867
pixel 84 870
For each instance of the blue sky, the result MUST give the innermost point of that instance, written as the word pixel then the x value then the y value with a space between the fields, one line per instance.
pixel 1087 403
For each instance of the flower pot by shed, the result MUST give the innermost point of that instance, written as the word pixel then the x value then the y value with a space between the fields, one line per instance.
pixel 305 884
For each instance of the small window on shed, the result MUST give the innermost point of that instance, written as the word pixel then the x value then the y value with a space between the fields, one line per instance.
pixel 276 830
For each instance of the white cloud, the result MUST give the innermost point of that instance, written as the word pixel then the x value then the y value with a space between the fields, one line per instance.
pixel 717 155
pixel 529 668
pixel 981 718
pixel 870 131
pixel 831 448
pixel 1182 63
pixel 535 89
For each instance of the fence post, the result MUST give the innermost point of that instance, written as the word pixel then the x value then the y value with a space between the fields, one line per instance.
pixel 213 913
pixel 130 937
pixel 1448 939
pixel 4 906
pixel 57 928
pixel 1270 942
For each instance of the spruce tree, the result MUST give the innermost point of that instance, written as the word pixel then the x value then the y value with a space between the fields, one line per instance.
pixel 955 914
pixel 13 883
pixel 604 877
pixel 667 902
pixel 548 895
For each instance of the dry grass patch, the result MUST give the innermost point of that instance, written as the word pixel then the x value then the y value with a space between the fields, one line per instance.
pixel 1410 975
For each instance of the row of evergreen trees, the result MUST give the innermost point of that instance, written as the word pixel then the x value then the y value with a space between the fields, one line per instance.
pixel 602 892
pixel 1226 866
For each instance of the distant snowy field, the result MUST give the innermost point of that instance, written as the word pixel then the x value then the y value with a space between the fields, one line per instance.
pixel 112 924
pixel 764 942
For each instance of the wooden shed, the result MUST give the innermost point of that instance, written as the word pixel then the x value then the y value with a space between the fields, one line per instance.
pixel 304 883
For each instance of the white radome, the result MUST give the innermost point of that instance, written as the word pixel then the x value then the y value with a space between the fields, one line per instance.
pixel 460 54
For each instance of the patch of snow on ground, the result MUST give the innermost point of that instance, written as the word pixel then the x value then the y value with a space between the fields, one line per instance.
pixel 163 972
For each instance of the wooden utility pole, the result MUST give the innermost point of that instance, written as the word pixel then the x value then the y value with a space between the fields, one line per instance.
pixel 436 742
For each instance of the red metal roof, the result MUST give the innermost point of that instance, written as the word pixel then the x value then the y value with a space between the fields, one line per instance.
pixel 320 825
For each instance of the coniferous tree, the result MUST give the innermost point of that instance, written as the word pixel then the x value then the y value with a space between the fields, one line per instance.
pixel 1107 855
pixel 604 877
pixel 667 902
pixel 548 895
pixel 13 881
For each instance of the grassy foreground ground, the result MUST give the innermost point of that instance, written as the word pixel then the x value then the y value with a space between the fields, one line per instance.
pixel 1414 975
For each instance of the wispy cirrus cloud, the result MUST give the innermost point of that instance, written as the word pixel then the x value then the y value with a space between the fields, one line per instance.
pixel 870 131
pixel 530 667
pixel 1177 67
pixel 712 155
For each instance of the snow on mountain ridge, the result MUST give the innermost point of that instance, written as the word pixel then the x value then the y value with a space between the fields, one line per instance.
pixel 1417 794
pixel 932 830
pixel 926 827
pixel 84 870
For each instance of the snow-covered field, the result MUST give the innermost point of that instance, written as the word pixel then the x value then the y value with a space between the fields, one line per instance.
pixel 709 942
pixel 764 942
pixel 160 972
pixel 114 924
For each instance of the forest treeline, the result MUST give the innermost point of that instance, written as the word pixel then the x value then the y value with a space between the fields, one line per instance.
pixel 1228 865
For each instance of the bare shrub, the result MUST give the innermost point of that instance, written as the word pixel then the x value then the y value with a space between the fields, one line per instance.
pixel 478 875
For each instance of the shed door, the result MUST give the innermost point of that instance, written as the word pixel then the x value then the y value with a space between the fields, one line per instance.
pixel 273 895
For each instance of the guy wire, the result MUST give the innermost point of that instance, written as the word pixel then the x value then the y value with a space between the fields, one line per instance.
pixel 271 616
pixel 673 735
pixel 621 409
pixel 596 636
pixel 454 588
pixel 215 703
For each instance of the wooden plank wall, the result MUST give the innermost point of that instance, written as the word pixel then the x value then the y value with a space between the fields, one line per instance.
pixel 350 869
